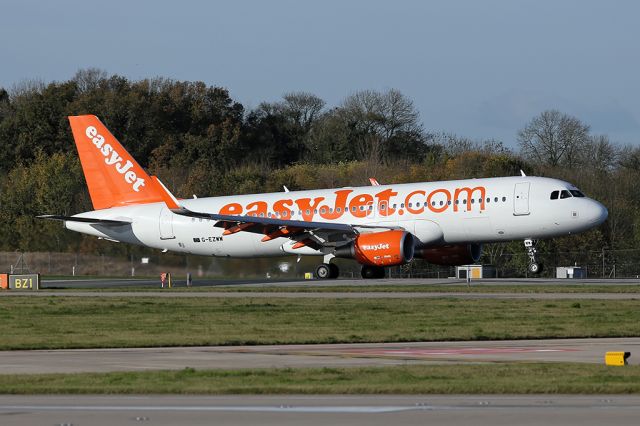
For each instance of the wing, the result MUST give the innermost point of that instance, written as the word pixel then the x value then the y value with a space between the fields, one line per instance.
pixel 315 235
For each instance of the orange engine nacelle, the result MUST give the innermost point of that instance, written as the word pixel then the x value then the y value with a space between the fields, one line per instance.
pixel 461 254
pixel 388 248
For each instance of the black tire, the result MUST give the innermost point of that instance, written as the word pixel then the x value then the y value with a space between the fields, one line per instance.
pixel 335 271
pixel 371 272
pixel 323 271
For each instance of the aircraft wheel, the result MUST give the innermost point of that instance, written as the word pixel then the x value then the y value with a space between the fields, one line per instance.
pixel 334 271
pixel 323 271
pixel 370 272
pixel 535 268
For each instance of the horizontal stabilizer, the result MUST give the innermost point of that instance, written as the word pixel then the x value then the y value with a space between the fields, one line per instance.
pixel 96 221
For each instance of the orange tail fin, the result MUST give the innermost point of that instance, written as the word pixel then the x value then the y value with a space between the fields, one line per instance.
pixel 113 176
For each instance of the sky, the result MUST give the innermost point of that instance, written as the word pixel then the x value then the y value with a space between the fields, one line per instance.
pixel 479 69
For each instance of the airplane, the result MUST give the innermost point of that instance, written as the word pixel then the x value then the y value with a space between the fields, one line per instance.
pixel 378 226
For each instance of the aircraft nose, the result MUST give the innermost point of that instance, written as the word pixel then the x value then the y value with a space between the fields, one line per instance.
pixel 597 213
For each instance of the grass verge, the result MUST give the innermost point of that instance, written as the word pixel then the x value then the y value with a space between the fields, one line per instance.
pixel 90 322
pixel 509 378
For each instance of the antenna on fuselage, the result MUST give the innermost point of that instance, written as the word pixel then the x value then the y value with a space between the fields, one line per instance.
pixel 522 173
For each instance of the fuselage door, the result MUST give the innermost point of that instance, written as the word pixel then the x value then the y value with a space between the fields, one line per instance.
pixel 166 224
pixel 521 199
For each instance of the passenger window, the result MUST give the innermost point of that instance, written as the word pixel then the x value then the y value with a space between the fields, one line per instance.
pixel 565 194
pixel 488 199
pixel 576 193
pixel 495 199
pixel 554 195
pixel 504 198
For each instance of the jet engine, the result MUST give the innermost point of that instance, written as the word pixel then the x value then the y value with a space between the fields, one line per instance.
pixel 453 255
pixel 388 248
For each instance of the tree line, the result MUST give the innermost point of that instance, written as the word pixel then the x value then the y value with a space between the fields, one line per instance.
pixel 199 140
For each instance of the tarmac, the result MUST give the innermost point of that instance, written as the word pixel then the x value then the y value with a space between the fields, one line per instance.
pixel 319 410
pixel 180 281
pixel 327 355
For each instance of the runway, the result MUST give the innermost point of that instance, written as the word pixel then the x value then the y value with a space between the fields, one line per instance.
pixel 318 410
pixel 180 281
pixel 323 295
pixel 299 356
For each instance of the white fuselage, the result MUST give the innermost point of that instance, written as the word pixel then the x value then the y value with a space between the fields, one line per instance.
pixel 437 213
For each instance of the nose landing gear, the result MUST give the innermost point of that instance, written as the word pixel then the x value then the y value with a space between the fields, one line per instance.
pixel 534 266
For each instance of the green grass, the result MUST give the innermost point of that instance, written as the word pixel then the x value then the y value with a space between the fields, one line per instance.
pixel 508 378
pixel 91 322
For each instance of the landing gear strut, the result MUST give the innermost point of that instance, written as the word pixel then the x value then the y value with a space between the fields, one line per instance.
pixel 369 271
pixel 534 266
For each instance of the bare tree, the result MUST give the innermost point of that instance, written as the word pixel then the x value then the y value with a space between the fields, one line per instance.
pixel 302 107
pixel 553 138
pixel 386 124
pixel 89 78
pixel 384 114
pixel 598 153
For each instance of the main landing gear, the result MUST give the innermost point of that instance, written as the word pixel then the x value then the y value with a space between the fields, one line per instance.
pixel 534 266
pixel 369 271
pixel 327 270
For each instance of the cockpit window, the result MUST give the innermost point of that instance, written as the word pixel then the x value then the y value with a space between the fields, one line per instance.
pixel 576 193
pixel 554 195
pixel 565 194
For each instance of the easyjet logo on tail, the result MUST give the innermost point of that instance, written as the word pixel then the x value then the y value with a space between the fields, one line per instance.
pixel 113 159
